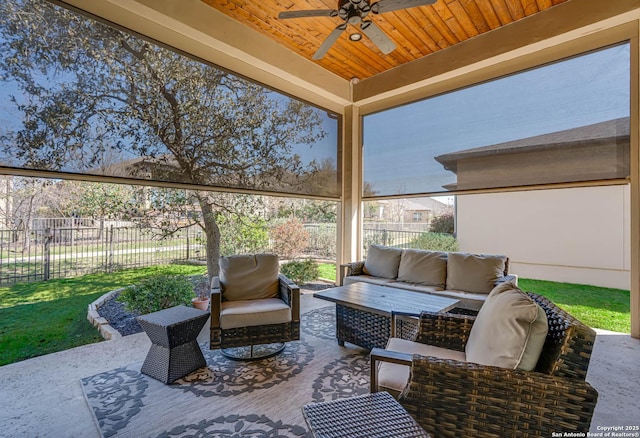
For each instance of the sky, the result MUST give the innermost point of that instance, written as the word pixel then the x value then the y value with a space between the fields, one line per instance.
pixel 577 92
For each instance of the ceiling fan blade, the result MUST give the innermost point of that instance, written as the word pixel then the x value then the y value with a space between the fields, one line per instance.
pixel 393 5
pixel 309 13
pixel 378 37
pixel 332 38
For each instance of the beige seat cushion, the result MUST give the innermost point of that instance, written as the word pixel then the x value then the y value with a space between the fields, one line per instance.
pixel 350 279
pixel 474 272
pixel 249 277
pixel 413 287
pixel 248 313
pixel 382 261
pixel 428 268
pixel 509 331
pixel 394 377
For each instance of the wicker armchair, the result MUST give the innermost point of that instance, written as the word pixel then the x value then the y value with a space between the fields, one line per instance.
pixel 227 335
pixel 453 398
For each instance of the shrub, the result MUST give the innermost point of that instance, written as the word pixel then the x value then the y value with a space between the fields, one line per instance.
pixel 289 238
pixel 157 293
pixel 322 240
pixel 435 242
pixel 242 235
pixel 443 223
pixel 300 272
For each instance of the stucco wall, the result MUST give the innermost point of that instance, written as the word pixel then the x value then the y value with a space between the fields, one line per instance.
pixel 577 235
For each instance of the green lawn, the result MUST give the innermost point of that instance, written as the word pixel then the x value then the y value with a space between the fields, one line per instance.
pixel 327 270
pixel 597 307
pixel 45 317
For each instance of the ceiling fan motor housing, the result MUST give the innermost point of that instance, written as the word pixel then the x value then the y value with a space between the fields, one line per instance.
pixel 353 11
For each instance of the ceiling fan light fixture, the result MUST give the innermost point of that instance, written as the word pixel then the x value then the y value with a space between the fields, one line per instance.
pixel 355 36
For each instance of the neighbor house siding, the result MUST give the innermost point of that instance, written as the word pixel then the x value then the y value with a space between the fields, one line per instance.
pixel 578 235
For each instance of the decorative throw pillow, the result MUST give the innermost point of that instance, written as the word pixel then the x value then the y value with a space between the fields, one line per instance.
pixel 427 268
pixel 509 331
pixel 382 261
pixel 476 273
pixel 249 277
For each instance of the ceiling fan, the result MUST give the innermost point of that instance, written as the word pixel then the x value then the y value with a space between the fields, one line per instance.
pixel 355 12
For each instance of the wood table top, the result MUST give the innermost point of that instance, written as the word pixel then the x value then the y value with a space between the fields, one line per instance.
pixel 386 300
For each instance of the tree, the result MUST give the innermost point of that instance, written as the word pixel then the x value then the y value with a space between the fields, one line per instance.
pixel 100 200
pixel 97 100
pixel 28 197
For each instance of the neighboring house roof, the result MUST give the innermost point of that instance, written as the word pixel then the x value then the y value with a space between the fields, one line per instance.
pixel 599 133
pixel 424 204
pixel 417 204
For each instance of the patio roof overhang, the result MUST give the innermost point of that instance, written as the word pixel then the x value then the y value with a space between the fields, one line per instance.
pixel 567 28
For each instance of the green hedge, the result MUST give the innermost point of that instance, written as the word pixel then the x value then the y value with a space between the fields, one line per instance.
pixel 436 242
pixel 157 293
pixel 300 272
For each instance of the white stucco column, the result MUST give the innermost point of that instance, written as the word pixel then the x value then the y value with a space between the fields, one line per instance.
pixel 349 222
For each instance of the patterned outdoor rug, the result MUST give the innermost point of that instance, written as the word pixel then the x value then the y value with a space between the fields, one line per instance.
pixel 230 398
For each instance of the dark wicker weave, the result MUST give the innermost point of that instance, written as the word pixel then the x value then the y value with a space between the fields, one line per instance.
pixel 367 329
pixel 376 415
pixel 174 352
pixel 260 334
pixel 348 269
pixel 452 398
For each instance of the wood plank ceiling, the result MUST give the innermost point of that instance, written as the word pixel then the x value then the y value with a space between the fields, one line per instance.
pixel 417 32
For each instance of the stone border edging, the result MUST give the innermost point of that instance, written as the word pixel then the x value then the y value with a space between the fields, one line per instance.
pixel 106 331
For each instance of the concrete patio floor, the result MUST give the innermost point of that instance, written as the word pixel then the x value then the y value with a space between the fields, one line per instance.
pixel 42 397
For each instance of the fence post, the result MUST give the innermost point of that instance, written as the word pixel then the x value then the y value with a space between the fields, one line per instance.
pixel 48 236
pixel 110 250
pixel 188 229
pixel 384 237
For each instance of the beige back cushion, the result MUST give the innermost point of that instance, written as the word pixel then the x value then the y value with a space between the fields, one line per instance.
pixel 475 273
pixel 382 261
pixel 428 268
pixel 249 277
pixel 509 331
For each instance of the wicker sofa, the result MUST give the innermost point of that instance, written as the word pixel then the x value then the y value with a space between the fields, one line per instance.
pixel 466 277
pixel 451 398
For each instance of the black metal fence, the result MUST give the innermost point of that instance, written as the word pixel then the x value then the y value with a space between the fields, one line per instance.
pixel 63 252
pixel 67 252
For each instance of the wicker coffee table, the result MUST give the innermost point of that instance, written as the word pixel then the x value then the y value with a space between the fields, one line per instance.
pixel 174 351
pixel 365 311
pixel 376 415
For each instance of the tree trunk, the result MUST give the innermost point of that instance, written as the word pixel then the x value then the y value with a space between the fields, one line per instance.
pixel 212 232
